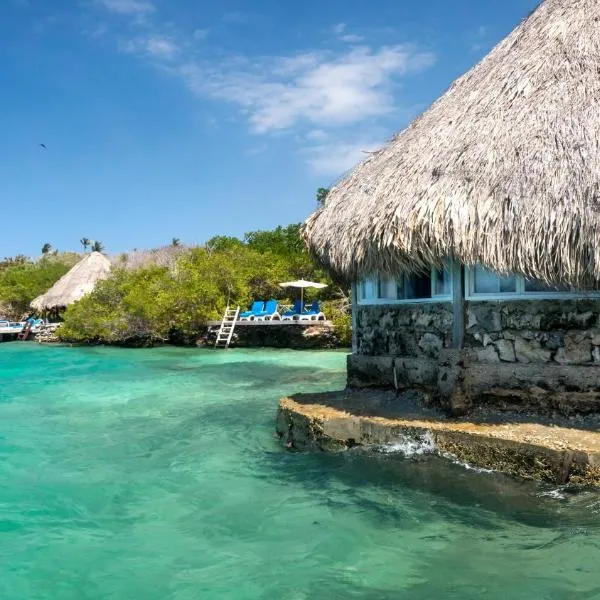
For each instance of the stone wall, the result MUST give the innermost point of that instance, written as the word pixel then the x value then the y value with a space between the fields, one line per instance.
pixel 417 330
pixel 289 335
pixel 566 332
pixel 539 356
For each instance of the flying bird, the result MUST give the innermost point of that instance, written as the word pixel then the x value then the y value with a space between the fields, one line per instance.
pixel 43 146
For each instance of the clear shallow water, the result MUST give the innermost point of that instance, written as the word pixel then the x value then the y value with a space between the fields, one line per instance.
pixel 154 474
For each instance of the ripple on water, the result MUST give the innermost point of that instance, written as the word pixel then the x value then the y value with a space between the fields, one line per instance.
pixel 154 474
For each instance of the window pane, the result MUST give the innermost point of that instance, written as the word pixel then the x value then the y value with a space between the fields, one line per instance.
pixel 488 282
pixel 442 281
pixel 508 284
pixel 363 289
pixel 535 285
pixel 417 286
pixel 400 287
pixel 370 289
pixel 387 289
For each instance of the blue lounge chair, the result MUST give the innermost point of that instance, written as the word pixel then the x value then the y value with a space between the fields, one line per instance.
pixel 314 313
pixel 258 307
pixel 270 313
pixel 296 311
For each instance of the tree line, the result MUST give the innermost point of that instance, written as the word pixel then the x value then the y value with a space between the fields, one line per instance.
pixel 171 300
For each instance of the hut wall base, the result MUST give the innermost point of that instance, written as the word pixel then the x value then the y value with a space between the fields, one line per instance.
pixel 541 355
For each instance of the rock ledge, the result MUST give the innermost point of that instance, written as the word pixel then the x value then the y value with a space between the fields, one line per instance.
pixel 336 421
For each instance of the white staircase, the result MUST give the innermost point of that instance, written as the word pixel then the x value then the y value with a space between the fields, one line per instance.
pixel 227 326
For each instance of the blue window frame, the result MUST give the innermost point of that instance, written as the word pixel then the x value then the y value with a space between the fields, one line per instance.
pixel 482 284
pixel 435 286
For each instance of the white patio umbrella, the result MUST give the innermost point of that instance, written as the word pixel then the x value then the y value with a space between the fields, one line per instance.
pixel 302 283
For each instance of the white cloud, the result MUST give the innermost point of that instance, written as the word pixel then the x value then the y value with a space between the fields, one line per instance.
pixel 291 65
pixel 128 7
pixel 335 158
pixel 155 46
pixel 325 90
pixel 160 47
pixel 339 31
pixel 352 38
pixel 314 95
pixel 316 134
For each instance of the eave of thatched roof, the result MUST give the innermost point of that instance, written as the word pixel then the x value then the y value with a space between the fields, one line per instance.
pixel 503 170
pixel 75 284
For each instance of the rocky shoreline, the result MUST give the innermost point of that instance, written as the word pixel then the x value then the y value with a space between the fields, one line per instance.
pixel 555 452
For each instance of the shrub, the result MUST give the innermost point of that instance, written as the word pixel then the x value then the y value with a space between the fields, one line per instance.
pixel 339 313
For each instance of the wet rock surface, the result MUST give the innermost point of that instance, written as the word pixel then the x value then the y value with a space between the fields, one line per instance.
pixel 557 451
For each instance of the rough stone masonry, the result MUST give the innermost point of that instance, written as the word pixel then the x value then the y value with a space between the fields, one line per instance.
pixel 540 355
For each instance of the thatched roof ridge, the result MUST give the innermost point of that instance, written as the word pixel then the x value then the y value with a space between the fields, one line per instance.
pixel 75 284
pixel 503 170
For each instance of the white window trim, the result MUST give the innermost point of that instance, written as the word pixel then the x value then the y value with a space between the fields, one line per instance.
pixel 520 294
pixel 394 301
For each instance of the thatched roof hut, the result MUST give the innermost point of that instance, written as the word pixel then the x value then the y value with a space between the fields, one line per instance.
pixel 503 170
pixel 75 284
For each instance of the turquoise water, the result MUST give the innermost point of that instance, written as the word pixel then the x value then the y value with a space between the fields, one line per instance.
pixel 154 474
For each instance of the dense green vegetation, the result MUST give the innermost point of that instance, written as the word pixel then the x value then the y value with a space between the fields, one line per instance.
pixel 22 279
pixel 160 302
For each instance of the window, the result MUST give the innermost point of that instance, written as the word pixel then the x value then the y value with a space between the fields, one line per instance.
pixel 367 289
pixel 480 284
pixel 534 285
pixel 487 285
pixel 416 287
pixel 488 282
pixel 386 289
pixel 433 286
pixel 442 282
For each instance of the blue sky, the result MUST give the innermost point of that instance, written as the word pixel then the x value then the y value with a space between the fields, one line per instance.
pixel 181 118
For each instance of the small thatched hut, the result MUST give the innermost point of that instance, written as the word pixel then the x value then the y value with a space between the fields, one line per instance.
pixel 473 238
pixel 75 284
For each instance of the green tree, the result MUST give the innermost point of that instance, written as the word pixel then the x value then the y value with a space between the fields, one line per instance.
pixel 97 247
pixel 220 243
pixel 175 242
pixel 285 241
pixel 19 259
pixel 85 242
pixel 151 304
pixel 322 194
pixel 22 280
pixel 46 248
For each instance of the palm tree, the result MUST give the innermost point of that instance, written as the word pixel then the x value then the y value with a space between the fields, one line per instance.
pixel 85 242
pixel 97 247
pixel 175 242
pixel 46 248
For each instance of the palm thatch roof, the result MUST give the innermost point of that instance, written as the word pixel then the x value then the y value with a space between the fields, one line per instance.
pixel 503 170
pixel 75 284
